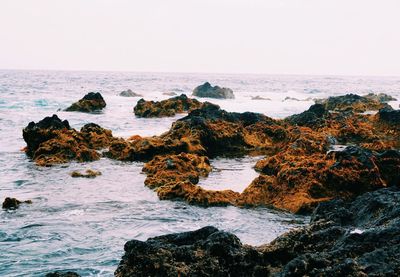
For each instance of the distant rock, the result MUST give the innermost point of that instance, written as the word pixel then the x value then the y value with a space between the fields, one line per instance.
pixel 288 98
pixel 206 90
pixel 258 97
pixel 381 97
pixel 171 93
pixel 13 203
pixel 129 93
pixel 93 101
pixel 88 174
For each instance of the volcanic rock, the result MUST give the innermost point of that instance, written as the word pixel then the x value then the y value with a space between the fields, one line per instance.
pixel 206 90
pixel 93 101
pixel 13 203
pixel 129 93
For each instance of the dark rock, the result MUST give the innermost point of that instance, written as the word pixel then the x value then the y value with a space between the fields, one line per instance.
pixel 381 97
pixel 389 115
pixel 93 101
pixel 206 90
pixel 205 252
pixel 13 203
pixel 258 97
pixel 313 117
pixel 129 93
pixel 34 133
pixel 352 102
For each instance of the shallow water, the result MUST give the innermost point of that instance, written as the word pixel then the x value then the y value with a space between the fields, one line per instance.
pixel 82 224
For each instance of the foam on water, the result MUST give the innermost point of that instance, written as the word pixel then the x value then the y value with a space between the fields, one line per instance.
pixel 82 224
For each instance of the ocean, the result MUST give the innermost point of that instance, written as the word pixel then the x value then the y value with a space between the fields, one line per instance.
pixel 82 224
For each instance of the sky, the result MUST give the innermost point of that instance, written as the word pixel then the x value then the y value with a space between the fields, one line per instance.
pixel 335 37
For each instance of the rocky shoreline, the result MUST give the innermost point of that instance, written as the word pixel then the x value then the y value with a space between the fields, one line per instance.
pixel 351 193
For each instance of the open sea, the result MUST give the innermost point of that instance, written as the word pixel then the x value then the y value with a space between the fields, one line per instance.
pixel 82 224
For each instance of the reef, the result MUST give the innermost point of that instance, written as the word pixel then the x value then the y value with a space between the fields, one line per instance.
pixel 91 102
pixel 357 238
pixel 168 107
pixel 89 173
pixel 52 141
pixel 206 90
pixel 129 93
pixel 13 203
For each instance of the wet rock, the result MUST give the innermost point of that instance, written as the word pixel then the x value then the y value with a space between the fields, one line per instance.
pixel 129 93
pixel 204 252
pixel 206 90
pixel 89 173
pixel 53 141
pixel 352 102
pixel 93 101
pixel 358 238
pixel 63 274
pixel 170 93
pixel 168 107
pixel 13 203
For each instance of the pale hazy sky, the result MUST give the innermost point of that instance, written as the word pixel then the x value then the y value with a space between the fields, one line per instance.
pixel 356 37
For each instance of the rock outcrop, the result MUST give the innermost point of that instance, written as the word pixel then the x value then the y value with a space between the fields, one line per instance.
pixel 13 203
pixel 91 102
pixel 53 141
pixel 206 90
pixel 168 107
pixel 356 238
pixel 63 274
pixel 205 252
pixel 129 93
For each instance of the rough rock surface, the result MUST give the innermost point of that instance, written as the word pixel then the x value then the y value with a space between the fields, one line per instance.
pixel 206 90
pixel 129 93
pixel 168 107
pixel 13 203
pixel 93 101
pixel 356 238
pixel 205 252
pixel 53 141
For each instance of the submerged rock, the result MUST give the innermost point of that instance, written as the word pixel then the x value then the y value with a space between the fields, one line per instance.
pixel 93 101
pixel 356 238
pixel 63 274
pixel 89 173
pixel 13 203
pixel 204 252
pixel 168 107
pixel 258 97
pixel 206 90
pixel 129 93
pixel 53 141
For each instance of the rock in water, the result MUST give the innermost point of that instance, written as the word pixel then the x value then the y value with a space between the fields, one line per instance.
pixel 356 238
pixel 206 90
pixel 53 141
pixel 93 101
pixel 129 93
pixel 168 107
pixel 353 102
pixel 13 203
pixel 88 174
pixel 205 252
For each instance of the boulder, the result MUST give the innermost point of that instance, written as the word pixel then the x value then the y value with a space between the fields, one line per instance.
pixel 206 90
pixel 91 102
pixel 89 173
